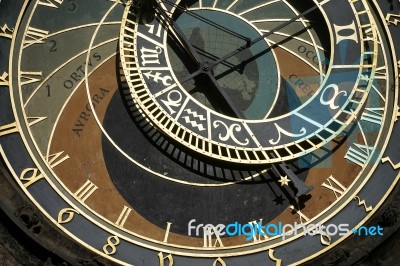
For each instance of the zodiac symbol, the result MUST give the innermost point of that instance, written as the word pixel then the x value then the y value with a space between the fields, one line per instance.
pixel 303 131
pixel 230 132
pixel 192 122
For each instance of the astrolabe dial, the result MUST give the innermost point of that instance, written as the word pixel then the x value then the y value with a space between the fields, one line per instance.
pixel 223 90
pixel 131 125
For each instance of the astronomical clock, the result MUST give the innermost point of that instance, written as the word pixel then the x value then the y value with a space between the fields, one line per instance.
pixel 131 131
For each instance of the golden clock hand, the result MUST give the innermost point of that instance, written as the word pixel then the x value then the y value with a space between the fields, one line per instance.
pixel 302 188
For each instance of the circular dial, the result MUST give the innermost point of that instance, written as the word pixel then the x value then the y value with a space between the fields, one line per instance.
pixel 247 128
pixel 131 125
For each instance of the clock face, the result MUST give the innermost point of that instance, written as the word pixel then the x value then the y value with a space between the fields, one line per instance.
pixel 141 128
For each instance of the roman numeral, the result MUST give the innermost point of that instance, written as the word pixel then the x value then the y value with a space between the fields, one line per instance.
pixel 56 159
pixel 368 32
pixel 6 32
pixel 358 154
pixel 302 216
pixel 346 28
pixel 30 77
pixel 123 216
pixel 373 115
pixel 13 128
pixel 208 240
pixel 335 186
pixel 51 3
pixel 163 259
pixel 8 129
pixel 34 36
pixel 381 73
pixel 393 19
pixel 258 237
pixel 167 232
pixel 86 191
pixel 325 238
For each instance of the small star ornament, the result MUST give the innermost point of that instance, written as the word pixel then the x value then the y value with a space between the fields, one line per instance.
pixel 279 200
pixel 284 180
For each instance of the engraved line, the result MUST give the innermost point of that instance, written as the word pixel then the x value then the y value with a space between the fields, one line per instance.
pixel 278 20
pixel 309 120
pixel 257 7
pixel 295 38
pixel 231 5
pixel 158 94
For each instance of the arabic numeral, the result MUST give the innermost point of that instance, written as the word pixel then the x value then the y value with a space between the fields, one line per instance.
pixel 71 5
pixel 48 91
pixel 53 46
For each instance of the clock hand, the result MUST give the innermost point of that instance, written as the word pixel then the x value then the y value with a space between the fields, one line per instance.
pixel 302 188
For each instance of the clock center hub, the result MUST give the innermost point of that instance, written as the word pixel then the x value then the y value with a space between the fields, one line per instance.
pixel 206 67
pixel 250 79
